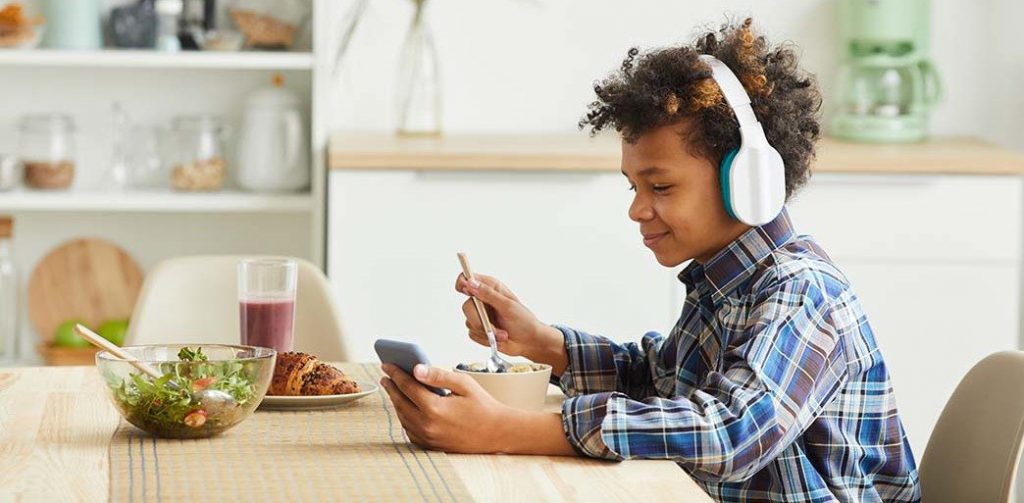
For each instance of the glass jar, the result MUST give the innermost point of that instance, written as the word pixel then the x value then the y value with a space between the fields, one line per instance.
pixel 201 163
pixel 8 295
pixel 9 172
pixel 47 150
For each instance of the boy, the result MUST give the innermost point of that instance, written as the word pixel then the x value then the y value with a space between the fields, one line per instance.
pixel 771 386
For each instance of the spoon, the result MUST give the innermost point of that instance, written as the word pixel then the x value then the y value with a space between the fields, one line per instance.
pixel 495 363
pixel 113 349
pixel 212 398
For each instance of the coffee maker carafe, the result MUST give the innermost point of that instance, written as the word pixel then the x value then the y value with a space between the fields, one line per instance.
pixel 887 82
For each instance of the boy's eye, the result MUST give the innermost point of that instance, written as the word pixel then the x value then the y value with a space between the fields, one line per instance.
pixel 661 188
pixel 631 188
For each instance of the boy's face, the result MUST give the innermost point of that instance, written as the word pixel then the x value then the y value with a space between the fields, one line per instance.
pixel 677 201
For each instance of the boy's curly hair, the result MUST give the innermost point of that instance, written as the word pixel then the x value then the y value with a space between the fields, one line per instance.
pixel 666 86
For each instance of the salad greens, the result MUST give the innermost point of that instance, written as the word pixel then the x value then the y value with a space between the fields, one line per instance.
pixel 190 399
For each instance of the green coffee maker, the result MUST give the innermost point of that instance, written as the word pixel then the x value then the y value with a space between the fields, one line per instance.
pixel 887 83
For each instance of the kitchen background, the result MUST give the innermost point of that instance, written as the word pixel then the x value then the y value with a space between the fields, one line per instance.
pixel 933 248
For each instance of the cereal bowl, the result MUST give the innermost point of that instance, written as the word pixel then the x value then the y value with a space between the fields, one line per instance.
pixel 525 386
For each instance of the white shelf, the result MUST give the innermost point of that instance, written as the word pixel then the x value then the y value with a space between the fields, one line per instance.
pixel 155 201
pixel 128 58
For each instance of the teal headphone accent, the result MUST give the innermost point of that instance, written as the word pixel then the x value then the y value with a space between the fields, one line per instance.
pixel 724 169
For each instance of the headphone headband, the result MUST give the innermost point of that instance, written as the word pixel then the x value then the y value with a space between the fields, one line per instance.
pixel 753 177
pixel 735 94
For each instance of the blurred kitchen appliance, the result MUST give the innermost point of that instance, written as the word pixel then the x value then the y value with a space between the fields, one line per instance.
pixel 72 24
pixel 887 83
pixel 272 147
pixel 134 25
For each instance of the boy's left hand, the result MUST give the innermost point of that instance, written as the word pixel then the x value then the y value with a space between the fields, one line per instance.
pixel 468 420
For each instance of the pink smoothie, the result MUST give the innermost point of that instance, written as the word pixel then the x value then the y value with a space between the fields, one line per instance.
pixel 267 323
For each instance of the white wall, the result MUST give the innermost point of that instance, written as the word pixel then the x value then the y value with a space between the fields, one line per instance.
pixel 528 66
pixel 1006 71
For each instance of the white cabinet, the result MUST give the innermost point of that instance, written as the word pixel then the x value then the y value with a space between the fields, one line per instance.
pixel 934 259
pixel 153 87
pixel 562 242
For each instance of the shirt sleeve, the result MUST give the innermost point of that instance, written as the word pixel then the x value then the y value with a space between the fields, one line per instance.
pixel 785 365
pixel 597 364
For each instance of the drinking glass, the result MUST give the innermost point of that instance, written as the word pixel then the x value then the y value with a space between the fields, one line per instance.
pixel 266 301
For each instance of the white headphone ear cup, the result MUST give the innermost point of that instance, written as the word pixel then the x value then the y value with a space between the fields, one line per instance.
pixel 757 183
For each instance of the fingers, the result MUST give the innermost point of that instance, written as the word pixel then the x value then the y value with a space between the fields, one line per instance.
pixel 489 295
pixel 460 384
pixel 476 327
pixel 461 281
pixel 401 402
pixel 479 336
pixel 472 317
pixel 410 417
pixel 421 397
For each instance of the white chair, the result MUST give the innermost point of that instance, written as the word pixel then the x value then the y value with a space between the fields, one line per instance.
pixel 195 300
pixel 974 450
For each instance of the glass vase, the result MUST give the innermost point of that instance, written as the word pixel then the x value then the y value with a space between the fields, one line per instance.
pixel 419 82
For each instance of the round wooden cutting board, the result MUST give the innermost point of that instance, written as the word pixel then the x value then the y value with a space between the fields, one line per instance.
pixel 88 279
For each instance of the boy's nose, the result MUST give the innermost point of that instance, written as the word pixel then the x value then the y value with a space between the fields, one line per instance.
pixel 640 210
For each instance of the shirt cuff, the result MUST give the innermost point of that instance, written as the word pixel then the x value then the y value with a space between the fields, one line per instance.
pixel 582 419
pixel 591 364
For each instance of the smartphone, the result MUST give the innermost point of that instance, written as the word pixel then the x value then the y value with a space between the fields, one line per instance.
pixel 404 355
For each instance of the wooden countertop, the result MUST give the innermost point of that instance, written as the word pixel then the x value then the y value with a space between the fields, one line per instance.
pixel 577 152
pixel 56 427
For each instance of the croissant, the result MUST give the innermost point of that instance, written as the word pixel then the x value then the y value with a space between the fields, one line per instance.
pixel 304 374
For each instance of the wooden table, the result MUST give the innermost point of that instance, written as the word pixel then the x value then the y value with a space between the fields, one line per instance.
pixel 56 424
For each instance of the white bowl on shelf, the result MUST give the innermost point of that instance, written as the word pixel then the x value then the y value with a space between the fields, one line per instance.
pixel 222 41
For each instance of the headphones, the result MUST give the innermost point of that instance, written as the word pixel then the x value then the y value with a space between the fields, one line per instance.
pixel 753 176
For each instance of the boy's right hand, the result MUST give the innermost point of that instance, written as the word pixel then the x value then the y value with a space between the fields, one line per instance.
pixel 517 330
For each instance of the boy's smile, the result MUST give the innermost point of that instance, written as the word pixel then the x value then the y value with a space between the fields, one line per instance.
pixel 678 200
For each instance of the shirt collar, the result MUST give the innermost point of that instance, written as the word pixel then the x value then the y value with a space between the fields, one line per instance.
pixel 734 264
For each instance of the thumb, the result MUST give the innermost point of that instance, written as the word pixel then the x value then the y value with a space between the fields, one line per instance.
pixel 488 294
pixel 440 378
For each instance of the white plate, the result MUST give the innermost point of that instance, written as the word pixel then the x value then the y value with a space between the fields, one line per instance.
pixel 316 402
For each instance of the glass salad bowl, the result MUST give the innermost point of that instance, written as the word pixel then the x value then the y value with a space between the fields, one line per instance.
pixel 205 389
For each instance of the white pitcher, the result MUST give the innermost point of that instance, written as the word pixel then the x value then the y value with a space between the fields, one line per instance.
pixel 272 147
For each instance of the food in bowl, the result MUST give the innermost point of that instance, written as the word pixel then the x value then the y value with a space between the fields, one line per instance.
pixel 203 391
pixel 515 368
pixel 524 386
pixel 301 374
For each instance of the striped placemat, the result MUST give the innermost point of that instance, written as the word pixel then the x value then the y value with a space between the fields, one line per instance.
pixel 355 452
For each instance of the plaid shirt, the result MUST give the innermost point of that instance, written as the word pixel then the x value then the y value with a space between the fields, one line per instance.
pixel 770 386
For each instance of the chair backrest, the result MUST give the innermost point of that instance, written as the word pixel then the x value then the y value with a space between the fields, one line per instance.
pixel 195 299
pixel 975 448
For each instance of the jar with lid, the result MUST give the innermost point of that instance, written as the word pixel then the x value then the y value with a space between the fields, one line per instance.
pixel 47 150
pixel 201 162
